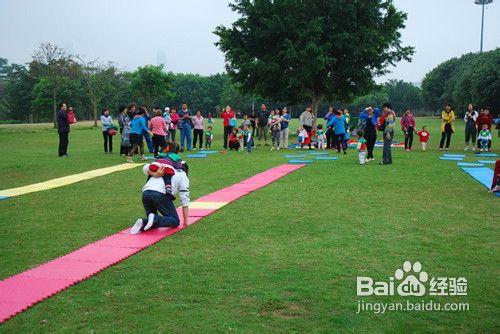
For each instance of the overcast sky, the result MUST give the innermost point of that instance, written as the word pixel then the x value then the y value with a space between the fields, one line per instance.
pixel 179 33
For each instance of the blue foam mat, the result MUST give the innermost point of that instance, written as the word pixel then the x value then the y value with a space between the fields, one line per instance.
pixel 208 152
pixel 486 155
pixel 451 158
pixel 483 175
pixel 469 164
pixel 299 161
pixel 326 158
pixel 454 155
pixel 200 156
pixel 487 161
pixel 318 153
pixel 4 197
pixel 295 155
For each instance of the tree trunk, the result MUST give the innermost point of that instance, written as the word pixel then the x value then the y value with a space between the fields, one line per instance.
pixel 94 108
pixel 55 107
pixel 315 102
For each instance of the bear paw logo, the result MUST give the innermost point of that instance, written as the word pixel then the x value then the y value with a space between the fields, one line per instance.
pixel 411 285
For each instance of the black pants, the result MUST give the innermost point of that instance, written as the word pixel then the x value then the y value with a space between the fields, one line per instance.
pixel 470 133
pixel 409 137
pixel 108 142
pixel 371 138
pixel 124 149
pixel 253 129
pixel 329 138
pixel 198 133
pixel 446 134
pixel 159 144
pixel 63 143
pixel 155 202
pixel 339 142
pixel 227 131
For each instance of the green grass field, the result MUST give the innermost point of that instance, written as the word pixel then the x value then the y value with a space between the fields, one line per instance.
pixel 282 259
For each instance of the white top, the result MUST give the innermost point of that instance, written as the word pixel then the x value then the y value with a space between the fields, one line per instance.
pixel 106 121
pixel 180 185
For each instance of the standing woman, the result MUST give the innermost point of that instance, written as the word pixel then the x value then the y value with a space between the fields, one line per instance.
pixel 107 123
pixel 227 115
pixel 124 125
pixel 63 130
pixel 370 117
pixel 447 126
pixel 329 130
pixel 285 129
pixel 185 126
pixel 470 127
pixel 138 128
pixel 198 129
pixel 174 120
pixel 408 127
pixel 307 120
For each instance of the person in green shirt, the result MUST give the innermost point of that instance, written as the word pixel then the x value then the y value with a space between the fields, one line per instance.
pixel 209 137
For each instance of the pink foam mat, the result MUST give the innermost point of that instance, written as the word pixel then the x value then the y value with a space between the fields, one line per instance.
pixel 21 291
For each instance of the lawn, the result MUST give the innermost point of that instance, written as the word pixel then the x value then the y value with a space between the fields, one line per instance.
pixel 282 259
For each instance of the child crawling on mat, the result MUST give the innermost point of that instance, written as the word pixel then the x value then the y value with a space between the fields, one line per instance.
pixel 167 178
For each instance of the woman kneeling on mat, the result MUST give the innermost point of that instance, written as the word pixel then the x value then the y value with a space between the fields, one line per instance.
pixel 155 199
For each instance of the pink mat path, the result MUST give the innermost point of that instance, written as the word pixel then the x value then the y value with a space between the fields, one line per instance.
pixel 21 291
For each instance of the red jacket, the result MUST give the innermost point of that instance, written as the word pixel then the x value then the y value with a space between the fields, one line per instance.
pixel 484 119
pixel 226 116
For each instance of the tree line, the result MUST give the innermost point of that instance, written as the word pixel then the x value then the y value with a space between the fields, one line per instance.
pixel 31 92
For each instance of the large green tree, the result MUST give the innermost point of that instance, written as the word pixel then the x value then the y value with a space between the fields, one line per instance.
pixel 311 50
pixel 150 83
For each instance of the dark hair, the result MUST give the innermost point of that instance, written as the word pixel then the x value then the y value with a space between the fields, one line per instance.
pixel 486 108
pixel 209 128
pixel 360 133
pixel 132 105
pixel 448 104
pixel 338 112
pixel 387 105
pixel 70 107
pixel 320 126
pixel 145 106
pixel 60 105
pixel 424 126
pixel 156 107
pixel 140 111
pixel 104 110
pixel 122 108
pixel 406 109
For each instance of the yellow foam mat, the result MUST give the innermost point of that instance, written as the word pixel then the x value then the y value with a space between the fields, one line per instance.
pixel 207 205
pixel 65 180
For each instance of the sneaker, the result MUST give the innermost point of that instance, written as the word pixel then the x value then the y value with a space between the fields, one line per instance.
pixel 447 148
pixel 151 219
pixel 466 149
pixel 129 160
pixel 136 228
pixel 272 148
pixel 440 149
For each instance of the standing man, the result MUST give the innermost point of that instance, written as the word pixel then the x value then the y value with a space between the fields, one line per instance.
pixel 261 122
pixel 185 127
pixel 226 115
pixel 63 130
pixel 307 120
pixel 386 125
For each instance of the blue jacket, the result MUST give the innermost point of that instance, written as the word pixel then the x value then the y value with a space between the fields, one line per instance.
pixel 339 124
pixel 376 113
pixel 138 126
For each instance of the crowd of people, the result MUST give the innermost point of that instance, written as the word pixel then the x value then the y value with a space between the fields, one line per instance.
pixel 192 131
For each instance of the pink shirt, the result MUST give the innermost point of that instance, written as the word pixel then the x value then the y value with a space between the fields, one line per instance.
pixel 158 125
pixel 198 122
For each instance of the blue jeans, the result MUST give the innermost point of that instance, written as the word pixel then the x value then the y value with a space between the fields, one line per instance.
pixel 186 137
pixel 149 142
pixel 155 202
pixel 249 145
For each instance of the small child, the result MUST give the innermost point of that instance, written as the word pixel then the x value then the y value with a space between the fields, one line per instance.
pixel 234 143
pixel 246 121
pixel 321 137
pixel 484 139
pixel 209 137
pixel 241 138
pixel 247 138
pixel 361 147
pixel 210 118
pixel 302 135
pixel 423 136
